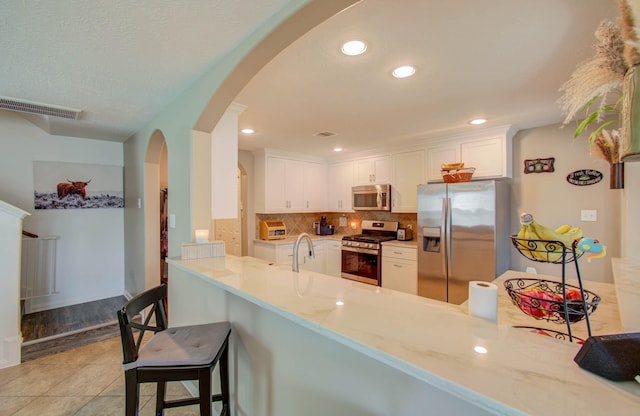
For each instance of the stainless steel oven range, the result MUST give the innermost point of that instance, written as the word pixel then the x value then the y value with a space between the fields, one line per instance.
pixel 362 253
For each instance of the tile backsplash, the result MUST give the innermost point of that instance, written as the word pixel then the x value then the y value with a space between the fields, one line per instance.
pixel 303 222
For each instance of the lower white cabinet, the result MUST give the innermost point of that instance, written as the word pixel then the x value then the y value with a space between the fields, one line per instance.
pixel 400 268
pixel 282 253
pixel 333 257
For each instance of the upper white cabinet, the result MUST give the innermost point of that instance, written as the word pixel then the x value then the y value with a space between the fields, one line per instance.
pixel 340 184
pixel 285 184
pixel 373 170
pixel 439 155
pixel 487 156
pixel 408 171
pixel 315 186
pixel 489 153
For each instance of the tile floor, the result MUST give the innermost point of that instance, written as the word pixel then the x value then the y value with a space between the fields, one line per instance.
pixel 87 380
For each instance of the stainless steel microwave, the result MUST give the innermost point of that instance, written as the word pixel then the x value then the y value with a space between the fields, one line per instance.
pixel 371 198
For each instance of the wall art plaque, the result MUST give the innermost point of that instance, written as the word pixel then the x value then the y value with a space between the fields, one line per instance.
pixel 539 165
pixel 584 177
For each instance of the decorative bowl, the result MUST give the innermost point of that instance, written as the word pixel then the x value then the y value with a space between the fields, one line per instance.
pixel 544 299
pixel 457 175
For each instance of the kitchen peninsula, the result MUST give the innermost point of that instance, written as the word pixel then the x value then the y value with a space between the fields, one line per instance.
pixel 307 343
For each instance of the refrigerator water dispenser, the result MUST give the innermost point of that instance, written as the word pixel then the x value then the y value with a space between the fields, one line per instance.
pixel 431 239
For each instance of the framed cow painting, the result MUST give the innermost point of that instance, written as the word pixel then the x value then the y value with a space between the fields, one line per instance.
pixel 59 185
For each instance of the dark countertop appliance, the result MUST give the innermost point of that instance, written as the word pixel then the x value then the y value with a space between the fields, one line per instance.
pixel 322 227
pixel 362 253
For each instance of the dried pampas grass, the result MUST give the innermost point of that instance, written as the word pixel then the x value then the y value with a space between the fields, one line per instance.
pixel 629 35
pixel 606 146
pixel 597 76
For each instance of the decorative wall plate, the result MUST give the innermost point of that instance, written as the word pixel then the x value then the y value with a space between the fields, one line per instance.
pixel 584 177
pixel 539 165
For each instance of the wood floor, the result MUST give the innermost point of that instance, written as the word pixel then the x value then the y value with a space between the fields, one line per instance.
pixel 72 318
pixel 60 329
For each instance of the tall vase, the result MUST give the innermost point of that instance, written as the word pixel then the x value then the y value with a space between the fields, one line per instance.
pixel 630 146
pixel 616 175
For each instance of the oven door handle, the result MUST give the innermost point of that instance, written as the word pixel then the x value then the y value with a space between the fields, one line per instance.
pixel 360 250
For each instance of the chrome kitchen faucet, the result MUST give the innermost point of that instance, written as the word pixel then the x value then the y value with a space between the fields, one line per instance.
pixel 312 253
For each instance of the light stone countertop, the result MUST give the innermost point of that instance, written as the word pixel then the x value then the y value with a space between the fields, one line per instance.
pixel 626 274
pixel 398 243
pixel 292 239
pixel 522 373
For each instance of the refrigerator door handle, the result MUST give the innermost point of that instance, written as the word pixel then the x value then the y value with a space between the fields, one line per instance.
pixel 449 239
pixel 443 243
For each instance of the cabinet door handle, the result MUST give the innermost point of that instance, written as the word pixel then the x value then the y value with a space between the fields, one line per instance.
pixel 397 252
pixel 397 265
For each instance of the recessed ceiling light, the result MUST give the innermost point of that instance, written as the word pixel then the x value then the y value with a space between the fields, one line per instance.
pixel 404 71
pixel 354 47
pixel 337 149
pixel 248 131
pixel 339 303
pixel 478 121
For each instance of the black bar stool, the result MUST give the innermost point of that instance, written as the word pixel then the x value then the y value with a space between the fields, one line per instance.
pixel 172 354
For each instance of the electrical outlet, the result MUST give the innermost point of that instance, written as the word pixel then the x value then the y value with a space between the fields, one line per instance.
pixel 589 215
pixel 409 226
pixel 342 221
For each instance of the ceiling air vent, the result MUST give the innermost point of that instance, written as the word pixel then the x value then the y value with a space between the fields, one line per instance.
pixel 38 108
pixel 325 134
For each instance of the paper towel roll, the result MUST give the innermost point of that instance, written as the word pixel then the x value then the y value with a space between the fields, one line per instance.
pixel 483 300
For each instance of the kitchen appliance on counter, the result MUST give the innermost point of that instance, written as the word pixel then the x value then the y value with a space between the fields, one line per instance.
pixel 362 253
pixel 322 228
pixel 273 230
pixel 371 198
pixel 405 234
pixel 463 235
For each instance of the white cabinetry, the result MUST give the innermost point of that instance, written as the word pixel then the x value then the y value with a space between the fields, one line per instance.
pixel 400 268
pixel 487 156
pixel 315 186
pixel 408 173
pixel 333 257
pixel 439 155
pixel 285 184
pixel 340 184
pixel 282 253
pixel 489 153
pixel 373 170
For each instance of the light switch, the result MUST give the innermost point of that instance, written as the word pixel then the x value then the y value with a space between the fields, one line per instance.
pixel 172 220
pixel 589 215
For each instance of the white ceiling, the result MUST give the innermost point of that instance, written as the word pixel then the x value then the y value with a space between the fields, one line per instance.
pixel 121 62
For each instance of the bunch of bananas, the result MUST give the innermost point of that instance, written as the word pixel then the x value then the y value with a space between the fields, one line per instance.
pixel 531 230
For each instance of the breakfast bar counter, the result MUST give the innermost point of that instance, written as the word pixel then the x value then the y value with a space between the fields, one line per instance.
pixel 308 343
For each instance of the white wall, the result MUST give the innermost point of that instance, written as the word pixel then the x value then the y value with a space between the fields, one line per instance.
pixel 90 260
pixel 10 236
pixel 245 158
pixel 553 201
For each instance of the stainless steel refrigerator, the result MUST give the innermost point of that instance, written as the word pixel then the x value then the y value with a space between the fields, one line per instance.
pixel 463 235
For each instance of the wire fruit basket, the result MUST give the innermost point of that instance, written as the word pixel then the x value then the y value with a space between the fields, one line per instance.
pixel 550 300
pixel 546 251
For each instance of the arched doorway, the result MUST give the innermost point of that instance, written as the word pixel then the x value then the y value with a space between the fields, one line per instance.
pixel 155 205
